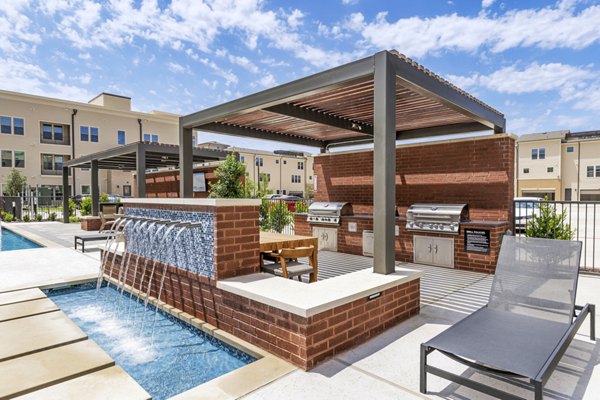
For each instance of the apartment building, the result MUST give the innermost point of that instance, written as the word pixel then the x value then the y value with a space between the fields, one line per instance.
pixel 287 172
pixel 38 134
pixel 561 165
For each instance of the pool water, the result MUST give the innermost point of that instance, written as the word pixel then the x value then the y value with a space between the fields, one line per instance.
pixel 179 357
pixel 14 241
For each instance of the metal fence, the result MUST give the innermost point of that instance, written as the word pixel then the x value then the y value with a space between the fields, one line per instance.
pixel 555 218
pixel 30 207
pixel 277 215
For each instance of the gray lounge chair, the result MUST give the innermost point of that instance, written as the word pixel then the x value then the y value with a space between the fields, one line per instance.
pixel 528 323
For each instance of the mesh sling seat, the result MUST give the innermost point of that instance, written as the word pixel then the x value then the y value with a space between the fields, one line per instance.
pixel 528 323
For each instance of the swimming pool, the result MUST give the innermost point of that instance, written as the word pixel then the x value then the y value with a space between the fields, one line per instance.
pixel 14 241
pixel 179 357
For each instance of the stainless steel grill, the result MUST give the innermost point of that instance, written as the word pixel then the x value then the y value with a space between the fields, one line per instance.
pixel 328 213
pixel 441 218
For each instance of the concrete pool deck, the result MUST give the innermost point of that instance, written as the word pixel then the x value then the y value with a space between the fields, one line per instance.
pixel 386 367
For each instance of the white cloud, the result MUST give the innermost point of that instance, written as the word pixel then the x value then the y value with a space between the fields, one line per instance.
pixel 230 77
pixel 487 3
pixel 267 81
pixel 30 78
pixel 534 78
pixel 85 56
pixel 16 37
pixel 349 2
pixel 551 27
pixel 294 20
pixel 178 68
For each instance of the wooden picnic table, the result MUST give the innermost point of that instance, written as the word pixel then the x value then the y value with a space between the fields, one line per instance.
pixel 272 241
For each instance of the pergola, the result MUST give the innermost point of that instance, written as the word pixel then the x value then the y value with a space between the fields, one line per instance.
pixel 139 157
pixel 379 99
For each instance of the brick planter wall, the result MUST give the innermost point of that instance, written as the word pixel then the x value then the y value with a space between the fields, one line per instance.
pixel 303 341
pixel 90 223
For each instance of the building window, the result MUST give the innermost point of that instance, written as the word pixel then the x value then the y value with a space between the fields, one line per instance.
pixel 296 179
pixel 542 153
pixel 242 158
pixel 550 169
pixel 193 140
pixel 55 133
pixel 570 149
pixel 93 134
pixel 277 162
pixel 85 190
pixel 259 162
pixel 300 164
pixel 310 177
pixel 284 162
pixel 19 159
pixel 6 158
pixel 150 137
pixel 84 133
pixel 264 177
pixel 120 137
pixel 597 171
pixel 6 125
pixel 534 154
pixel 52 163
pixel 525 170
pixel 18 126
pixel 590 171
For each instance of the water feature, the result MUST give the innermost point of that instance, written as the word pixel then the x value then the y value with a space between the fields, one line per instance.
pixel 173 358
pixel 13 241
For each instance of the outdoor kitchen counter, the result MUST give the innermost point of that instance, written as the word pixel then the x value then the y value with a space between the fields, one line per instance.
pixel 309 299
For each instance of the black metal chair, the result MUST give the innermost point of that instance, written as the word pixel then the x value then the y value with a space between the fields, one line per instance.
pixel 528 323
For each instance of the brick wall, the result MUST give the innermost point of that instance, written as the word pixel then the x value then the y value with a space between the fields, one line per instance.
pixel 351 242
pixel 236 236
pixel 303 341
pixel 166 183
pixel 478 171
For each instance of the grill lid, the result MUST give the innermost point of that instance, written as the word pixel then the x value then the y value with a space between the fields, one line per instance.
pixel 435 210
pixel 327 208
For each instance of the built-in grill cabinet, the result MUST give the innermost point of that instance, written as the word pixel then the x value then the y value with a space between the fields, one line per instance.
pixel 438 218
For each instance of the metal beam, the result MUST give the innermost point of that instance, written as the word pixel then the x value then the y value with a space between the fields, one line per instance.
pixel 140 170
pixel 66 194
pixel 314 84
pixel 95 189
pixel 416 80
pixel 384 165
pixel 454 129
pixel 186 163
pixel 319 117
pixel 245 131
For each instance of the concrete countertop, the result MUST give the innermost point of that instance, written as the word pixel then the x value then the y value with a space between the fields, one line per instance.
pixel 309 299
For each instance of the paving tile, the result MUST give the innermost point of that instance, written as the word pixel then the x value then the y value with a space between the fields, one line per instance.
pixel 36 333
pixel 21 295
pixel 36 371
pixel 110 383
pixel 26 309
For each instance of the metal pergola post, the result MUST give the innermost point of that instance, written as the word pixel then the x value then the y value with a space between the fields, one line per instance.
pixel 186 164
pixel 95 189
pixel 140 172
pixel 66 194
pixel 384 165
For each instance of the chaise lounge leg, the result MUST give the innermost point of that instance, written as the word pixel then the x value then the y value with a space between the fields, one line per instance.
pixel 423 373
pixel 539 390
pixel 592 321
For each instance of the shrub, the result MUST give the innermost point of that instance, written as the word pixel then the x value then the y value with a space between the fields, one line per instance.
pixel 103 199
pixel 52 216
pixel 73 218
pixel 8 217
pixel 278 216
pixel 14 182
pixel 72 207
pixel 302 207
pixel 549 224
pixel 86 206
pixel 26 218
pixel 38 217
pixel 229 179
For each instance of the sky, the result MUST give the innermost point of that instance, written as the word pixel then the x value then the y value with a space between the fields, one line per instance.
pixel 538 62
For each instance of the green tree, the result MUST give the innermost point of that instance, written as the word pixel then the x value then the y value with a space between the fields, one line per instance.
pixel 278 216
pixel 14 183
pixel 549 224
pixel 103 198
pixel 310 191
pixel 229 179
pixel 86 206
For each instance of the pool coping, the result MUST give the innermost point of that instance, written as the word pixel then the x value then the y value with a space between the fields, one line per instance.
pixel 234 384
pixel 37 239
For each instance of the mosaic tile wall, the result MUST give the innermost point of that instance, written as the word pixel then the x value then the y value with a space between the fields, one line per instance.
pixel 193 250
